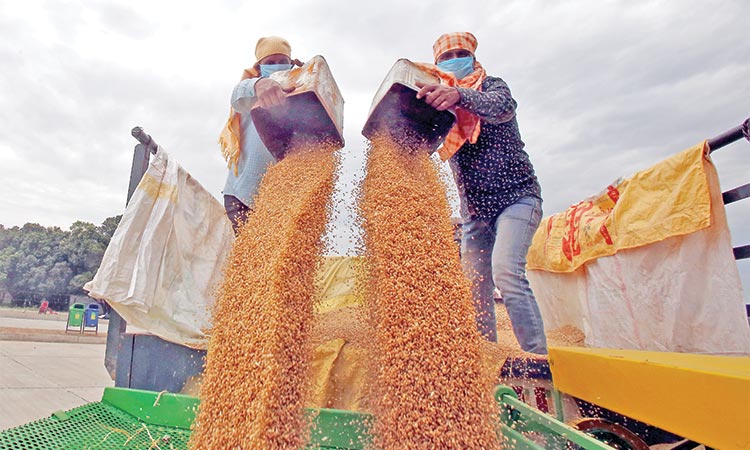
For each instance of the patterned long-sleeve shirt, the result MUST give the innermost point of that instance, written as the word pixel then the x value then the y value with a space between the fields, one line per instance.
pixel 495 172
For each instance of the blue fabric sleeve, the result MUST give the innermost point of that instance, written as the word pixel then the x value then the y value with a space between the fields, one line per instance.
pixel 243 95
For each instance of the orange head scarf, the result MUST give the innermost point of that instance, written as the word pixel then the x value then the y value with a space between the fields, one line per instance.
pixel 467 125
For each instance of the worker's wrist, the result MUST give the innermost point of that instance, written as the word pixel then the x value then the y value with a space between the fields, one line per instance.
pixel 265 82
pixel 460 97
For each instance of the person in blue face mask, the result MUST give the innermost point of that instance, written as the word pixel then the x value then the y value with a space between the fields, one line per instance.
pixel 247 157
pixel 501 199
pixel 459 62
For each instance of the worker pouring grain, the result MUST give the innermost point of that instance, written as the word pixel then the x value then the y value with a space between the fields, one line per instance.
pixel 501 202
pixel 246 155
pixel 254 385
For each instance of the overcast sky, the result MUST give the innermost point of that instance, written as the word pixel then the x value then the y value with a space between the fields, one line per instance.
pixel 605 88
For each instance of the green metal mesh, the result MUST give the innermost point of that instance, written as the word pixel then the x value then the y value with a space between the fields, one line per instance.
pixel 92 426
pixel 102 425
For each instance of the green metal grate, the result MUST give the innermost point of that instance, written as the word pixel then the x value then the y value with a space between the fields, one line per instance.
pixel 95 425
pixel 136 419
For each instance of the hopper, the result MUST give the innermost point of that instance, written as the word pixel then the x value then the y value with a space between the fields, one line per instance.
pixel 397 112
pixel 313 112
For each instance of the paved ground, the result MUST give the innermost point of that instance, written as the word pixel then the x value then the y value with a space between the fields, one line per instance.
pixel 43 369
pixel 27 313
pixel 38 378
pixel 43 324
pixel 17 324
pixel 32 322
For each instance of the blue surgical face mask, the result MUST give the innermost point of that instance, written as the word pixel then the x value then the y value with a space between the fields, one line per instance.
pixel 460 67
pixel 268 69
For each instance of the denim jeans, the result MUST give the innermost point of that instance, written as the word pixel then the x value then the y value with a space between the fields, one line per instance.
pixel 494 255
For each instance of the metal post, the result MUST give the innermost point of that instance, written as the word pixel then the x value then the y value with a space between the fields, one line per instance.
pixel 117 325
pixel 559 405
pixel 730 136
pixel 741 192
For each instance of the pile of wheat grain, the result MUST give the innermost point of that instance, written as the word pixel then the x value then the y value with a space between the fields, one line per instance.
pixel 430 389
pixel 257 367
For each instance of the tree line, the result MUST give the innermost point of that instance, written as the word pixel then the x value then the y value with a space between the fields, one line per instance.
pixel 46 263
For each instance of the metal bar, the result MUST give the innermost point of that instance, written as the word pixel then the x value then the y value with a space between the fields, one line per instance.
pixel 117 340
pixel 559 405
pixel 144 139
pixel 729 136
pixel 546 422
pixel 140 165
pixel 517 441
pixel 736 194
pixel 742 252
pixel 687 445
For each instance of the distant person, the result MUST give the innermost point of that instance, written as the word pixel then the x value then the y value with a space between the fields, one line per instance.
pixel 247 157
pixel 501 202
pixel 44 307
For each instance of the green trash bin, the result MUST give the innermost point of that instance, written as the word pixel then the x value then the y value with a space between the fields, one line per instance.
pixel 75 317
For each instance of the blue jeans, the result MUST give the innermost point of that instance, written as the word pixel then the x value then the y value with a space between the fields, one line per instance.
pixel 494 255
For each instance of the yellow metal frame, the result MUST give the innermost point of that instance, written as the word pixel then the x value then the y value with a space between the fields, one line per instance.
pixel 705 398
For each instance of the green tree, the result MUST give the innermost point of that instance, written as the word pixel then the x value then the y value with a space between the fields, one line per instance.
pixel 39 262
pixel 108 227
pixel 85 246
pixel 32 263
pixel 83 249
